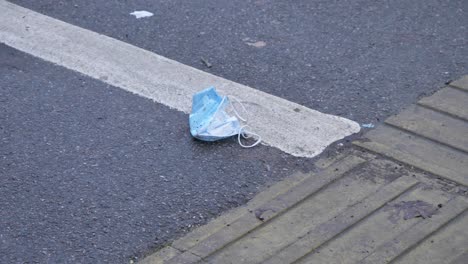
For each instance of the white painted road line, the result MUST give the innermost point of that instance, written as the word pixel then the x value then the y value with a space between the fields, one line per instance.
pixel 288 126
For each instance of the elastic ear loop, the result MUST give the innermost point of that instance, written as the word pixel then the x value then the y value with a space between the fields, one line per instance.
pixel 243 132
pixel 235 110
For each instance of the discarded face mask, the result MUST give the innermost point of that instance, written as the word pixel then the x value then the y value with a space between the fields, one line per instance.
pixel 210 121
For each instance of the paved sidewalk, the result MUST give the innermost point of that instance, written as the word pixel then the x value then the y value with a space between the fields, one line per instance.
pixel 405 201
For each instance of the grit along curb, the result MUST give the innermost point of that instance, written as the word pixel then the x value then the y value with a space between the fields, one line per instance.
pixel 290 127
pixel 360 206
pixel 430 135
pixel 348 212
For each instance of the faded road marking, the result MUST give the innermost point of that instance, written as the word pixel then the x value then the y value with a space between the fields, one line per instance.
pixel 288 126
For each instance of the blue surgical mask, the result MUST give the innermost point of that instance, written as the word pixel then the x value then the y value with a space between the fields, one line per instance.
pixel 210 121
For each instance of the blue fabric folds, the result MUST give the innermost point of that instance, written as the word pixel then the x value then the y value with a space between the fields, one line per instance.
pixel 209 120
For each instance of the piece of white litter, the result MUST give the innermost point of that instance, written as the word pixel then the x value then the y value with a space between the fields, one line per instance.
pixel 141 14
pixel 370 125
pixel 258 44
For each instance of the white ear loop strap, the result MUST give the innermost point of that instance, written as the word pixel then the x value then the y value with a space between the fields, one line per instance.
pixel 243 132
pixel 247 134
pixel 235 110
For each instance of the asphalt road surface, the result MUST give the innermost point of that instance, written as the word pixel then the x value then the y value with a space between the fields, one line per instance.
pixel 91 173
pixel 363 60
